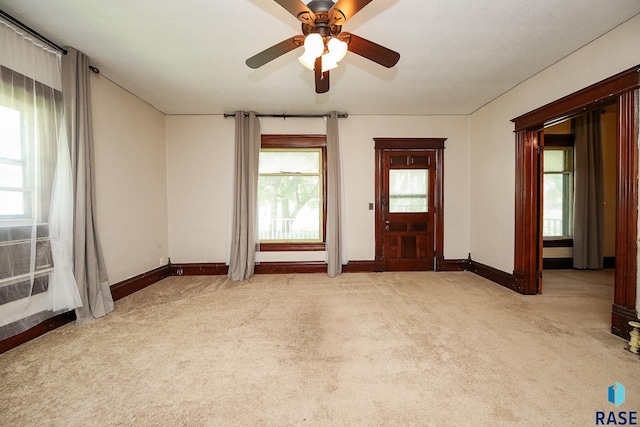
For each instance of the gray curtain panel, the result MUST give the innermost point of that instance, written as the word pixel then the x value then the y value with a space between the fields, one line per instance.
pixel 89 267
pixel 334 229
pixel 245 194
pixel 588 233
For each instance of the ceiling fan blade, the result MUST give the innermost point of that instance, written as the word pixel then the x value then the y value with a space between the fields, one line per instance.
pixel 267 55
pixel 370 50
pixel 343 10
pixel 299 10
pixel 322 79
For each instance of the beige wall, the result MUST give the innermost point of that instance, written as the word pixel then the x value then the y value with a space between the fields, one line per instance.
pixel 493 142
pixel 200 159
pixel 131 181
pixel 199 168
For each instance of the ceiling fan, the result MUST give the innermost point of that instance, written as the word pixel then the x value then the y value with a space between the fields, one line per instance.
pixel 324 41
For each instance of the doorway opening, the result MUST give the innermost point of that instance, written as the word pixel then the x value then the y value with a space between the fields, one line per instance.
pixel 571 188
pixel 623 91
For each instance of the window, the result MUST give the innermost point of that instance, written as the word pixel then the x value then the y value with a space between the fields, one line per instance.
pixel 30 119
pixel 14 195
pixel 558 192
pixel 291 192
pixel 30 116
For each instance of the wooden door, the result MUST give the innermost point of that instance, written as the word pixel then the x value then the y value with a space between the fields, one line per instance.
pixel 406 208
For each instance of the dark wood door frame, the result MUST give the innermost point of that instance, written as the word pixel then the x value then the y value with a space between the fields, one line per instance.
pixel 405 144
pixel 622 89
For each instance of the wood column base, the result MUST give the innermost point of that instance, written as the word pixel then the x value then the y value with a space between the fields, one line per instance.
pixel 620 318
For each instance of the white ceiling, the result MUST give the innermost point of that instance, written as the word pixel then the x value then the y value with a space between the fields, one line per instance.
pixel 187 56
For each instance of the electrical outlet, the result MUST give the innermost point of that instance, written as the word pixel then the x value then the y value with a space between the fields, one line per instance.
pixel 370 206
pixel 162 262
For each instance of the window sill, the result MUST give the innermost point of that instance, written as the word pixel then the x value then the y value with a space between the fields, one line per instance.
pixel 292 247
pixel 557 242
pixel 22 277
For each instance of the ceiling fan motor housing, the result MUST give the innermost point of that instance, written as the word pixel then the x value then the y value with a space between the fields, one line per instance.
pixel 323 24
pixel 320 5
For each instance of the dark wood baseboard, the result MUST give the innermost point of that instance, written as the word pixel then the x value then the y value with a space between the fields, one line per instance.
pixel 557 263
pixel 36 331
pixel 141 281
pixel 293 267
pixel 498 276
pixel 453 264
pixel 620 318
pixel 567 263
pixel 216 269
pixel 199 269
pixel 359 267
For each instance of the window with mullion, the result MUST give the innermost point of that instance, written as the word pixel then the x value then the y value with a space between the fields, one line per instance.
pixel 291 192
pixel 30 114
pixel 14 193
pixel 558 192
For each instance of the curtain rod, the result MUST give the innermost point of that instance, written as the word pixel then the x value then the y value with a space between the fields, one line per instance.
pixel 286 116
pixel 40 37
pixel 32 31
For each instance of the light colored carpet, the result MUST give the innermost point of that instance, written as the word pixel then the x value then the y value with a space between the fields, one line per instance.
pixel 437 349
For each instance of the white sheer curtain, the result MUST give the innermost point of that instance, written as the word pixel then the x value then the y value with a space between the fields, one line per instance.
pixel 36 277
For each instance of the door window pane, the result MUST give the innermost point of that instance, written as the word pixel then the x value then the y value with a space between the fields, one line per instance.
pixel 408 190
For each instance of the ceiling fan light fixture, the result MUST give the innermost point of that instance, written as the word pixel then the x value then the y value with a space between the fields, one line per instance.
pixel 328 63
pixel 307 60
pixel 324 41
pixel 337 49
pixel 314 45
